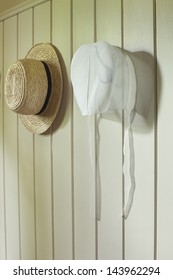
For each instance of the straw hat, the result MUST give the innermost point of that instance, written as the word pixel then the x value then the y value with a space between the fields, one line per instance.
pixel 33 87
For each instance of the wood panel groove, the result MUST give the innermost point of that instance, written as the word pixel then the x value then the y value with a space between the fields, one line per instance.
pixel 72 138
pixel 165 135
pixel 35 202
pixel 123 137
pixel 51 153
pixel 17 128
pixel 155 125
pixel 3 240
pixel 95 146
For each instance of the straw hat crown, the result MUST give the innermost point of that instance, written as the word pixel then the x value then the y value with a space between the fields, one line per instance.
pixel 33 87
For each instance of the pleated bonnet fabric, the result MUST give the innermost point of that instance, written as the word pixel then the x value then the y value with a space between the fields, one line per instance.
pixel 104 81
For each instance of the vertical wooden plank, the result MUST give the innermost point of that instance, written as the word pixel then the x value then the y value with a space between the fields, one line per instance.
pixel 84 200
pixel 62 169
pixel 11 150
pixel 165 135
pixel 110 226
pixel 26 162
pixel 109 30
pixel 43 161
pixel 42 23
pixel 2 202
pixel 139 235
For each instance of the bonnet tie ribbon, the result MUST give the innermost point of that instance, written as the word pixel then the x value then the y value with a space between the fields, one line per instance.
pixel 94 158
pixel 129 166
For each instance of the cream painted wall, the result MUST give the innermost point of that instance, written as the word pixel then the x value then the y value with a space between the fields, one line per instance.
pixel 47 184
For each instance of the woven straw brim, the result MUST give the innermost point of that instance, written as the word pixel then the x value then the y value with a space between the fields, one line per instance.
pixel 40 123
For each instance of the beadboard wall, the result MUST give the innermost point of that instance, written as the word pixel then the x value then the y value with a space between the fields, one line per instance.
pixel 47 185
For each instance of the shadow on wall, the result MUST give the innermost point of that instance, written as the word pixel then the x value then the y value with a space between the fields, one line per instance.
pixel 145 67
pixel 62 115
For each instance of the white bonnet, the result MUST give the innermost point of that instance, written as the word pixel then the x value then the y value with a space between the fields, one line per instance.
pixel 104 80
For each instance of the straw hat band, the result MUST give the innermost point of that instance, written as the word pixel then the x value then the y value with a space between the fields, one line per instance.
pixel 27 86
pixel 49 88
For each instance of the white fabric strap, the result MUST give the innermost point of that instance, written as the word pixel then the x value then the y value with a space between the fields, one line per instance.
pixel 129 167
pixel 94 158
pixel 129 155
pixel 98 179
